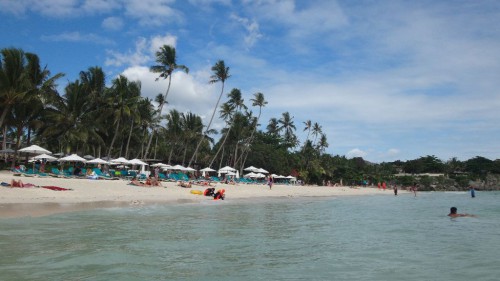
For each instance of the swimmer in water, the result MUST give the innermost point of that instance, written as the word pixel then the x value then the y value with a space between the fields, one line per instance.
pixel 453 213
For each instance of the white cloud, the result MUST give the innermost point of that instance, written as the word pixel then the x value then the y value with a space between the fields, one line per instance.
pixel 356 152
pixel 78 37
pixel 188 93
pixel 158 41
pixel 112 23
pixel 152 12
pixel 252 28
pixel 139 56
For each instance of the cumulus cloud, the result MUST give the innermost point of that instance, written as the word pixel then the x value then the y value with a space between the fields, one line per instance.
pixel 356 152
pixel 152 12
pixel 143 53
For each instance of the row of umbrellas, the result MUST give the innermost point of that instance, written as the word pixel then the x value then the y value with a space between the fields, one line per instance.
pixel 45 154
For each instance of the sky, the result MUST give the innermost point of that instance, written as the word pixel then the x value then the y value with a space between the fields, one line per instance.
pixel 386 80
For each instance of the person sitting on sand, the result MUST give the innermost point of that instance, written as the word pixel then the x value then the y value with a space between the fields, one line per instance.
pixel 155 182
pixel 184 184
pixel 15 183
pixel 134 181
pixel 453 213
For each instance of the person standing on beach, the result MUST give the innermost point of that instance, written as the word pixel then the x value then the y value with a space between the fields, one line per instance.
pixel 395 190
pixel 270 182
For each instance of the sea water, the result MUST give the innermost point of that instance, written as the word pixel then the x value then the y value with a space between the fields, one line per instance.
pixel 344 238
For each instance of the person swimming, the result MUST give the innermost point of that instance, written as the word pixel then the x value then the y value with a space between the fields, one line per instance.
pixel 453 213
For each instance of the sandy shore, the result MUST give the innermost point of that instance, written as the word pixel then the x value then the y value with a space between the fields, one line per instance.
pixel 89 194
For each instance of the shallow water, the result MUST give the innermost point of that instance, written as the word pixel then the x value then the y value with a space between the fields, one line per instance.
pixel 346 238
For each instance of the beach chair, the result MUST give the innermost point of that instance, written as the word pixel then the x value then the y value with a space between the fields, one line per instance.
pixel 101 175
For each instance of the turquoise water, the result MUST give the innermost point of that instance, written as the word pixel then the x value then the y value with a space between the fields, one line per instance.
pixel 346 238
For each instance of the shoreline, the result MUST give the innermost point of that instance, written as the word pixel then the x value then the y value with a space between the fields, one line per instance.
pixel 88 194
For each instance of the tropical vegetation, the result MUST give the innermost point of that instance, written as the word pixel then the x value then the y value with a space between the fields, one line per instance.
pixel 111 118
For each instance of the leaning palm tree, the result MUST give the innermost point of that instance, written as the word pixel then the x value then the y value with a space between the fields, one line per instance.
pixel 259 101
pixel 220 74
pixel 167 64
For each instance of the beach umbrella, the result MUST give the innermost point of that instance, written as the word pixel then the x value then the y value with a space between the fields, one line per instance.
pixel 207 170
pixel 178 167
pixel 250 175
pixel 72 158
pixel 89 157
pixel 120 160
pixel 35 149
pixel 189 169
pixel 226 170
pixel 251 169
pixel 260 170
pixel 97 161
pixel 159 165
pixel 137 162
pixel 44 156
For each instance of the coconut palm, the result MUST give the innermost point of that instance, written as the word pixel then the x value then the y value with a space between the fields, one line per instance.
pixel 123 95
pixel 272 126
pixel 287 126
pixel 220 74
pixel 167 64
pixel 316 131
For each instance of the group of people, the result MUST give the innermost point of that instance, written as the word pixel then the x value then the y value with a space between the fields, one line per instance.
pixel 220 194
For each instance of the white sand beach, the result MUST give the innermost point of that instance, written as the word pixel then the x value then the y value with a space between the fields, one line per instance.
pixel 86 193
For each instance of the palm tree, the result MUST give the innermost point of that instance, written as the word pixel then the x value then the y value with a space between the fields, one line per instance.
pixel 167 64
pixel 323 143
pixel 316 131
pixel 272 126
pixel 123 95
pixel 287 126
pixel 259 101
pixel 220 74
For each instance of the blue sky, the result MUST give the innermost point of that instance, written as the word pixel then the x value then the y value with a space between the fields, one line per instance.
pixel 386 80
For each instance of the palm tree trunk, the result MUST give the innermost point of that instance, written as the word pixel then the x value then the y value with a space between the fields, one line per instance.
pixel 208 126
pixel 4 115
pixel 250 140
pixel 220 147
pixel 129 136
pixel 114 138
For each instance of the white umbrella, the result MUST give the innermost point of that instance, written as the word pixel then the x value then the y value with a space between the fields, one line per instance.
pixel 98 161
pixel 120 160
pixel 159 165
pixel 178 167
pixel 137 162
pixel 72 158
pixel 189 169
pixel 35 149
pixel 231 174
pixel 260 175
pixel 261 171
pixel 251 169
pixel 226 170
pixel 207 170
pixel 250 175
pixel 89 157
pixel 44 156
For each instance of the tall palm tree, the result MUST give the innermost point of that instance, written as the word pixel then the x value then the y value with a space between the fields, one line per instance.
pixel 167 64
pixel 287 126
pixel 233 105
pixel 220 74
pixel 160 100
pixel 323 143
pixel 316 131
pixel 259 101
pixel 123 95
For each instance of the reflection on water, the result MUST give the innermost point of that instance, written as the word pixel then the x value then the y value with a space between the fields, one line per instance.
pixel 348 238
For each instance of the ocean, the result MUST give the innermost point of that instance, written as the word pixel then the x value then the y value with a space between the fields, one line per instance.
pixel 343 238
